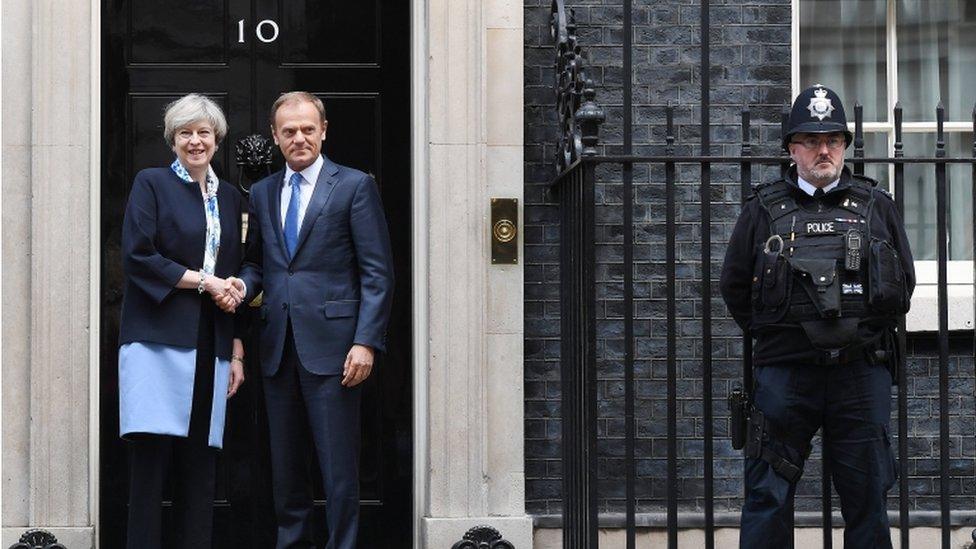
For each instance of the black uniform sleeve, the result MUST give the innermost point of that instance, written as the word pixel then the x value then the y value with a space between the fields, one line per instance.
pixel 896 228
pixel 740 259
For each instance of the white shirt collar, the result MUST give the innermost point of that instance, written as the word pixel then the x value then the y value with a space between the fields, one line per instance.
pixel 309 175
pixel 809 188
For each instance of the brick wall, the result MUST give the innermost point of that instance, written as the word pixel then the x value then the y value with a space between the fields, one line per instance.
pixel 750 66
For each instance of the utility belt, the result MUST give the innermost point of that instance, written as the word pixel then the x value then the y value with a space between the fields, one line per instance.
pixel 878 349
pixel 869 352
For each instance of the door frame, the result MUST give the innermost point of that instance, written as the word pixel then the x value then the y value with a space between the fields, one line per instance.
pixel 419 243
pixel 419 240
pixel 95 268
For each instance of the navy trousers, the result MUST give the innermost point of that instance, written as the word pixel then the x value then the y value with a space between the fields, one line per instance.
pixel 193 464
pixel 852 402
pixel 301 404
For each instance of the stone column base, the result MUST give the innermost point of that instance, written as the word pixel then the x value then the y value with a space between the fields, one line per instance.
pixel 442 533
pixel 78 537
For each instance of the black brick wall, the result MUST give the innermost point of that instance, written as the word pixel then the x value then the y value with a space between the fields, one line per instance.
pixel 750 66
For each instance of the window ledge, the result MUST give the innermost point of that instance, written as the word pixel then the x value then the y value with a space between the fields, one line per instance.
pixel 924 314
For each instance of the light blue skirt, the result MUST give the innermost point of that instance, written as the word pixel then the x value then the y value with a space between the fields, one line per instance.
pixel 156 391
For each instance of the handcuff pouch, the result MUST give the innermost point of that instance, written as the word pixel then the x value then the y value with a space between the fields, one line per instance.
pixel 776 280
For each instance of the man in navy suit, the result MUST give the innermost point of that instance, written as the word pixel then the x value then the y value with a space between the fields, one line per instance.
pixel 319 248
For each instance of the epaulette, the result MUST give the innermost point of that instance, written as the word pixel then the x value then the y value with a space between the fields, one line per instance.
pixel 864 181
pixel 758 188
pixel 771 190
pixel 776 198
pixel 765 184
pixel 870 185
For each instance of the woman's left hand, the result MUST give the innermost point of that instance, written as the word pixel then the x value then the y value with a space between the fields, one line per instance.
pixel 236 377
pixel 236 368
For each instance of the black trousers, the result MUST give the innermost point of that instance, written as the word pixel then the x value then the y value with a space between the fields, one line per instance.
pixel 852 403
pixel 192 459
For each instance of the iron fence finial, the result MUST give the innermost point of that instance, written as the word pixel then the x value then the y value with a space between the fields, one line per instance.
pixel 579 114
pixel 590 116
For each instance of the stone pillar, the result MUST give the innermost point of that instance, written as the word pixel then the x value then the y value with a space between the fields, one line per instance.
pixel 475 455
pixel 47 275
pixel 15 195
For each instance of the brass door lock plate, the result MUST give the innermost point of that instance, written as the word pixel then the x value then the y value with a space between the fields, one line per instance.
pixel 504 231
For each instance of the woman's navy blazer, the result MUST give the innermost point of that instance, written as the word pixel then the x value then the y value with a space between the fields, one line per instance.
pixel 163 235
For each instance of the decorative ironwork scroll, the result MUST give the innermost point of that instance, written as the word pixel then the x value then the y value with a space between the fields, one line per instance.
pixel 482 537
pixel 579 120
pixel 253 155
pixel 37 539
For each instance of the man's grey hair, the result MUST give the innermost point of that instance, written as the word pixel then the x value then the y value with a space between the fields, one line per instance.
pixel 190 109
pixel 297 97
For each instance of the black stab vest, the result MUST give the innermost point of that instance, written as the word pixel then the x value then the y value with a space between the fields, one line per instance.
pixel 804 276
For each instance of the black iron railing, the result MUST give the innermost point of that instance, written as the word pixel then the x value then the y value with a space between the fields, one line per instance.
pixel 575 186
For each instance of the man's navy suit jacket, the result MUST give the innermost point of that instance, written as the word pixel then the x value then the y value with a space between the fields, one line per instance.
pixel 337 290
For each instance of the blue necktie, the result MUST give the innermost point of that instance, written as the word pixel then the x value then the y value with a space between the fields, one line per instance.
pixel 291 217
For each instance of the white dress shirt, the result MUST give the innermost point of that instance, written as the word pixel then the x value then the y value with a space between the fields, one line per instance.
pixel 309 176
pixel 807 187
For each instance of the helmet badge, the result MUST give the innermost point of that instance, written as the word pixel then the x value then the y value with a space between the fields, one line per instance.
pixel 820 105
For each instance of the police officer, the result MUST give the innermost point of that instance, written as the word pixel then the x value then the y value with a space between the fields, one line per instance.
pixel 818 270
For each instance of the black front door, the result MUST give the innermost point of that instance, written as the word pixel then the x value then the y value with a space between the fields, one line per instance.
pixel 243 53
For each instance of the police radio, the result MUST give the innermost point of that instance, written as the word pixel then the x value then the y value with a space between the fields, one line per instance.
pixel 852 247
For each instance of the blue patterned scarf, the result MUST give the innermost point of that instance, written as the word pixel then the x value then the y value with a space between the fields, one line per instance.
pixel 213 214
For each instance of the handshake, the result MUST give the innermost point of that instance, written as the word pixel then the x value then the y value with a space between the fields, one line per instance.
pixel 227 293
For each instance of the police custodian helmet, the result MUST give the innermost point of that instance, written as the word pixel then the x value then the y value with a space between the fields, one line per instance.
pixel 817 110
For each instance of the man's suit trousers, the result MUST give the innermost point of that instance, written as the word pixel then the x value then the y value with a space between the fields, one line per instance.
pixel 300 404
